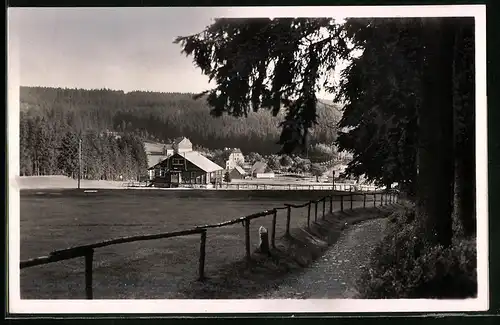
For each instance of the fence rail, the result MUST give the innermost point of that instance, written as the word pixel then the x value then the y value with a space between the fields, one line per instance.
pixel 296 187
pixel 87 251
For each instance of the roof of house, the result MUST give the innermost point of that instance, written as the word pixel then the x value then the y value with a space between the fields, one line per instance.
pixel 240 170
pixel 155 159
pixel 179 140
pixel 259 167
pixel 196 159
pixel 201 161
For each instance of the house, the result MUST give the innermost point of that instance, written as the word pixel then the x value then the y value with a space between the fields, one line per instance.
pixel 237 173
pixel 155 153
pixel 260 170
pixel 235 158
pixel 152 161
pixel 182 144
pixel 184 168
pixel 264 175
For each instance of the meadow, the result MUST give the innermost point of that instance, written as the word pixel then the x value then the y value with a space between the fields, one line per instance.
pixel 57 219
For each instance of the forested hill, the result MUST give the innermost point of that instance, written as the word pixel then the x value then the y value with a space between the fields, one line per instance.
pixel 161 116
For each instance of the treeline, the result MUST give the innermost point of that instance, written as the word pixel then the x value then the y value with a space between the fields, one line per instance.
pixel 162 116
pixel 49 147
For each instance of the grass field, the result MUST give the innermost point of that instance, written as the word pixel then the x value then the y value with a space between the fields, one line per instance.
pixel 57 219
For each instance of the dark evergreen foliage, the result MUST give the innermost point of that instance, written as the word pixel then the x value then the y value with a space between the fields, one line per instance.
pixel 406 92
pixel 160 117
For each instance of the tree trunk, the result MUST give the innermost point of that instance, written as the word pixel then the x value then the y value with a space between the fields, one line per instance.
pixel 436 141
pixel 464 101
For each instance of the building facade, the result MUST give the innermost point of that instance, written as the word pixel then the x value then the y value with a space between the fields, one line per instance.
pixel 181 145
pixel 186 168
pixel 235 158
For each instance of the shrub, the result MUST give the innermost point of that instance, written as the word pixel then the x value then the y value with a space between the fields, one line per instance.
pixel 403 266
pixel 227 177
pixel 286 161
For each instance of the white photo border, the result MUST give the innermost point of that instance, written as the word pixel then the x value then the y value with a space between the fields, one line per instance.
pixel 481 303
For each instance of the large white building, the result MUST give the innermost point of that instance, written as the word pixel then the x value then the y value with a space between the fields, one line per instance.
pixel 234 159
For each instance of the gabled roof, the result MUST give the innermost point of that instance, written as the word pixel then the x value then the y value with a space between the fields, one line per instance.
pixel 179 140
pixel 240 170
pixel 201 161
pixel 196 159
pixel 153 160
pixel 259 167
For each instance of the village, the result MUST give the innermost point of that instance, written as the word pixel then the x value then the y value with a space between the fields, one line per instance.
pixel 178 165
pixel 226 160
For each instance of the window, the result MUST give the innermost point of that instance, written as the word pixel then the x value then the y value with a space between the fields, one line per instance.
pixel 177 161
pixel 162 172
pixel 193 175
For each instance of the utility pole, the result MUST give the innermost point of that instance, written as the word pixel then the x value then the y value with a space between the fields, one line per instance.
pixel 333 180
pixel 79 161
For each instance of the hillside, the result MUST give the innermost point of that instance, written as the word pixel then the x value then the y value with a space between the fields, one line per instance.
pixel 161 116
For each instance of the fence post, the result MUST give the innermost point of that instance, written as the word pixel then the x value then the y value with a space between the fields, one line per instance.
pixel 203 240
pixel 247 239
pixel 308 214
pixel 324 203
pixel 364 200
pixel 331 203
pixel 341 203
pixel 288 217
pixel 351 199
pixel 315 210
pixel 273 238
pixel 237 186
pixel 374 199
pixel 89 257
pixel 381 199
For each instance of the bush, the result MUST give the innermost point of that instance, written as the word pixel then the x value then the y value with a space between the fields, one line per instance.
pixel 227 177
pixel 403 266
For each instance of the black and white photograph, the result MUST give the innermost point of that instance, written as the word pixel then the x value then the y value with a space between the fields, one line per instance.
pixel 247 159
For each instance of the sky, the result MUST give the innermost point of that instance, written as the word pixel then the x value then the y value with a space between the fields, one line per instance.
pixel 118 48
pixel 132 48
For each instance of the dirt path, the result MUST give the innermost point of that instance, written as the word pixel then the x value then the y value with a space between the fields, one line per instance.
pixel 334 274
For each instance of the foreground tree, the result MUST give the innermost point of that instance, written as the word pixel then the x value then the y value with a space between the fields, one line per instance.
pixel 380 120
pixel 464 102
pixel 399 115
pixel 435 152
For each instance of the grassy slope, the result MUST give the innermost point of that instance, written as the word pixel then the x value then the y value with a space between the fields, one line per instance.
pixel 155 269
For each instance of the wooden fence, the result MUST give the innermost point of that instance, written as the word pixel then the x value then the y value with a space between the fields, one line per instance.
pixel 338 186
pixel 297 187
pixel 87 251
